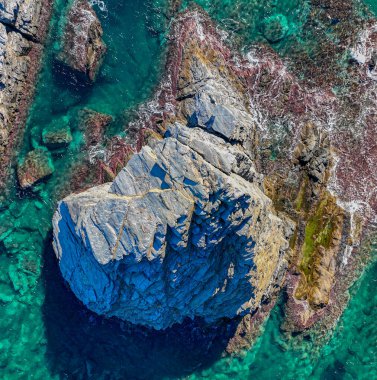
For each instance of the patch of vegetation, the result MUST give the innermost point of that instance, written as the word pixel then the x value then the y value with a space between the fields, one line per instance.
pixel 319 231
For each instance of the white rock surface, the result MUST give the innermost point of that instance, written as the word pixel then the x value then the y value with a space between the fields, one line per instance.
pixel 184 231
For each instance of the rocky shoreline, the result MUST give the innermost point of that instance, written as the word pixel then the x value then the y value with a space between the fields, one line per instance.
pixel 23 29
pixel 287 130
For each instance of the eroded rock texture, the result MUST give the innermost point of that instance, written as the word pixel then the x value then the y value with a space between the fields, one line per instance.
pixel 184 230
pixel 23 26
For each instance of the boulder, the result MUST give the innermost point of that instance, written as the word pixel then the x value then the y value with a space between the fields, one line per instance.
pixel 57 135
pixel 36 166
pixel 178 234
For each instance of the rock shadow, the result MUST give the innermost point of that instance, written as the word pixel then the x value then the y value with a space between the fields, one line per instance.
pixel 82 345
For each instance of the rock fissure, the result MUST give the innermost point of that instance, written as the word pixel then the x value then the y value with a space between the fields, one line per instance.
pixel 26 36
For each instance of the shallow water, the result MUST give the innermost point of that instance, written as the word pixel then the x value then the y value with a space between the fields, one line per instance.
pixel 45 332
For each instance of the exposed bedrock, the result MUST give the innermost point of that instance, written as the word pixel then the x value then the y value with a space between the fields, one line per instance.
pixel 184 231
pixel 82 47
pixel 23 25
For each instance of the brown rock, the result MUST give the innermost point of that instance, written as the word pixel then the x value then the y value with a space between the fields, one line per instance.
pixel 83 47
pixel 36 166
pixel 93 124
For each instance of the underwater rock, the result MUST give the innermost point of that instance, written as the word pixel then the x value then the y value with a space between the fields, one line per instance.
pixel 83 48
pixel 36 166
pixel 275 28
pixel 57 135
pixel 93 124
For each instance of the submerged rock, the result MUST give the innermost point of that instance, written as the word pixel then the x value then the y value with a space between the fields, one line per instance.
pixel 57 135
pixel 178 234
pixel 83 48
pixel 94 125
pixel 275 28
pixel 36 166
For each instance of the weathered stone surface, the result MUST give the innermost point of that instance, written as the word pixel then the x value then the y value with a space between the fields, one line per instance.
pixel 83 48
pixel 36 166
pixel 24 16
pixel 23 25
pixel 179 233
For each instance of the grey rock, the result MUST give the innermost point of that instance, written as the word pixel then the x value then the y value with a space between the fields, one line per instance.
pixel 211 100
pixel 24 16
pixel 184 231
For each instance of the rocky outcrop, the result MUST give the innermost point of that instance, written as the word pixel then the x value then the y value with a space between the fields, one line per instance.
pixel 184 231
pixel 253 109
pixel 83 48
pixel 23 25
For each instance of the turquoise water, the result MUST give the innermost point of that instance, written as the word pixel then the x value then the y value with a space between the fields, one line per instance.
pixel 45 332
pixel 372 4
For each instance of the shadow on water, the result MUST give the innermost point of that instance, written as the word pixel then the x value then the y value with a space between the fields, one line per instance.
pixel 82 345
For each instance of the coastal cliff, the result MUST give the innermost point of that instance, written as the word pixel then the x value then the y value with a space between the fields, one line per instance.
pixel 23 27
pixel 237 193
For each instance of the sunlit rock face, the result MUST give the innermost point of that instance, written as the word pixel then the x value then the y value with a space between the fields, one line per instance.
pixel 184 231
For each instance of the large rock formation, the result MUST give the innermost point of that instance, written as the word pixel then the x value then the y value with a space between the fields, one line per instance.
pixel 23 25
pixel 184 230
pixel 225 118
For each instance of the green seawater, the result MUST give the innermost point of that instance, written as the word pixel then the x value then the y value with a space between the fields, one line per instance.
pixel 372 4
pixel 45 332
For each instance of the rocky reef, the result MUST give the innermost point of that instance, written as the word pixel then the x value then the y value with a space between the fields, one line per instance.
pixel 23 26
pixel 83 48
pixel 241 190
